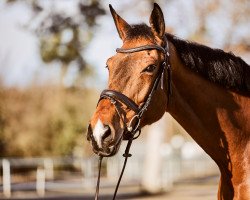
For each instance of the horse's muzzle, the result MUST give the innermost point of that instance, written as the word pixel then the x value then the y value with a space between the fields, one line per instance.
pixel 107 145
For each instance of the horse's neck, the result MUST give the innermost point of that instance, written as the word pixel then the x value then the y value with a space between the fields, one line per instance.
pixel 217 119
pixel 193 105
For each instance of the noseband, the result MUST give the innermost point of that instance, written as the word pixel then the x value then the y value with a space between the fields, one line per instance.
pixel 117 98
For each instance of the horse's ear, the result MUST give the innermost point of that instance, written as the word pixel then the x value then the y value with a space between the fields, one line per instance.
pixel 121 25
pixel 157 21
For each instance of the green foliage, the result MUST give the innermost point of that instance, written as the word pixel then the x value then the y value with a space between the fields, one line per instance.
pixel 44 121
pixel 47 121
pixel 52 48
pixel 63 37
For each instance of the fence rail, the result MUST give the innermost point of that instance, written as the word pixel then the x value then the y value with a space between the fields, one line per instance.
pixel 68 173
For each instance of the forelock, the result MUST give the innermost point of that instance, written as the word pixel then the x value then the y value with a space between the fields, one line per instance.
pixel 139 31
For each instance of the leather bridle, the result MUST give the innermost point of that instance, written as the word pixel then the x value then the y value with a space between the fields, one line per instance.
pixel 117 98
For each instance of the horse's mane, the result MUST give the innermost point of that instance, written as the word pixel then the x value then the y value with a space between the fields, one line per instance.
pixel 217 66
pixel 220 67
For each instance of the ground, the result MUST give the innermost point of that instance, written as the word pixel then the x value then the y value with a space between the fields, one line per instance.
pixel 204 188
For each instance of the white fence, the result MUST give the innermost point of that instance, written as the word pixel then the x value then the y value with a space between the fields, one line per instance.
pixel 45 171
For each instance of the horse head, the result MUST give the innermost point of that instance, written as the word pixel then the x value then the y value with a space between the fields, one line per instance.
pixel 134 71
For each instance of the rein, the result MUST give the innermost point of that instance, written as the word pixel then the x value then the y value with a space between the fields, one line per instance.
pixel 116 98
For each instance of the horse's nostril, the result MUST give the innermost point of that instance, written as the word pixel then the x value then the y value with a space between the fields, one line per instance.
pixel 107 135
pixel 89 132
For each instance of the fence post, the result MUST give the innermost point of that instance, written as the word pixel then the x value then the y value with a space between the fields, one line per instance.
pixel 112 168
pixel 6 178
pixel 40 182
pixel 87 170
pixel 49 168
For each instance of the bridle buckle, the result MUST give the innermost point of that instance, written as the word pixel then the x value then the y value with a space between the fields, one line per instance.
pixel 130 127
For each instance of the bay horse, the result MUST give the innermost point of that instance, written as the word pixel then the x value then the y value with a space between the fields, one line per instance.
pixel 206 90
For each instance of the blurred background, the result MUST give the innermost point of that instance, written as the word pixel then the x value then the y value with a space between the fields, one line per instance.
pixel 52 69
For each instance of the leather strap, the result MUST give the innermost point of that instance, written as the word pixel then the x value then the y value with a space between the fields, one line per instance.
pixel 120 97
pixel 141 48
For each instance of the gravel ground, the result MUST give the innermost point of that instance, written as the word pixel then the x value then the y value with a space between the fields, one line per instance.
pixel 194 189
pixel 187 192
pixel 204 188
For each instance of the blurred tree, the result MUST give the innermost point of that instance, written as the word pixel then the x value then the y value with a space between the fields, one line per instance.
pixel 44 121
pixel 62 36
pixel 38 122
pixel 237 14
pixel 2 121
pixel 240 16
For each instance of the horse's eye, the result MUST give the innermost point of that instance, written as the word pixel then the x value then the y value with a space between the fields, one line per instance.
pixel 149 68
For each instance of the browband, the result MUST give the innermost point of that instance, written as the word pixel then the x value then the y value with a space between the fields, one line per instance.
pixel 141 48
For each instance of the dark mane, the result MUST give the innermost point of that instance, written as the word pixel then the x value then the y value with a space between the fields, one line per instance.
pixel 215 65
